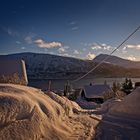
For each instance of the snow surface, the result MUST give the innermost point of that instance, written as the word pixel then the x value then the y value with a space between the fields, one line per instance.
pixel 120 118
pixel 29 114
pixel 129 106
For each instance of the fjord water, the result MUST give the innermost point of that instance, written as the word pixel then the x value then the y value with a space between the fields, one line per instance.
pixel 58 84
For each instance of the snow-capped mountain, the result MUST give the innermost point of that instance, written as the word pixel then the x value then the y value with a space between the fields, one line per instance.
pixel 46 66
pixel 117 61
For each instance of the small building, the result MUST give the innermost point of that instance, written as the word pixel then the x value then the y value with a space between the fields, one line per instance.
pixel 97 93
pixel 13 71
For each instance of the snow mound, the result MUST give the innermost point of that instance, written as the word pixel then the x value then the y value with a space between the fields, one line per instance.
pixel 129 106
pixel 68 105
pixel 28 113
pixel 105 107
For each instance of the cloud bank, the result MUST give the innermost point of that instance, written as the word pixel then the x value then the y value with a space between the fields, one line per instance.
pixel 76 52
pixel 98 46
pixel 131 57
pixel 61 50
pixel 134 46
pixel 43 44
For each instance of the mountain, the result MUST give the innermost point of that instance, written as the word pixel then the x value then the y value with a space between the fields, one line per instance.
pixel 117 61
pixel 50 66
pixel 46 66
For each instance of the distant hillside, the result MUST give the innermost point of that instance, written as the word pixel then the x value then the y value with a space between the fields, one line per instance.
pixel 46 66
pixel 51 66
pixel 117 61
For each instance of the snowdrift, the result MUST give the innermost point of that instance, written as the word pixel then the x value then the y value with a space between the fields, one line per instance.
pixel 27 113
pixel 129 107
pixel 120 118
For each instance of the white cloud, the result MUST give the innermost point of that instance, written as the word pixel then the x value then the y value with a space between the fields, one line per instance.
pixel 76 52
pixel 9 31
pixel 107 48
pixel 134 46
pixel 61 50
pixel 51 53
pixel 73 23
pixel 42 44
pixel 131 57
pixel 75 28
pixel 23 48
pixel 90 56
pixel 28 39
pixel 124 49
pixel 99 46
pixel 96 47
pixel 67 55
pixel 18 42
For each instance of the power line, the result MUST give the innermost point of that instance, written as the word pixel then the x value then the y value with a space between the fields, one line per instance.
pixel 130 35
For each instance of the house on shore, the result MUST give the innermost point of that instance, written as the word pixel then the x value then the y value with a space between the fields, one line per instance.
pixel 13 71
pixel 97 93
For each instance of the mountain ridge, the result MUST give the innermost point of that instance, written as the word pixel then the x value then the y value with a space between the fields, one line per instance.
pixel 47 66
pixel 117 61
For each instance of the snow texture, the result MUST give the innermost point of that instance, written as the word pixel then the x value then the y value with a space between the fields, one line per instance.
pixel 28 114
pixel 129 106
pixel 120 119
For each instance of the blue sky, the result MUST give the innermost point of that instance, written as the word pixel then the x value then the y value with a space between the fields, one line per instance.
pixel 77 28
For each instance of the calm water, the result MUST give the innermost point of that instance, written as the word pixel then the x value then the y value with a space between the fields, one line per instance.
pixel 59 84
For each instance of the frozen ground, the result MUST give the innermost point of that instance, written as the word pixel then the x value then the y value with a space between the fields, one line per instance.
pixel 28 114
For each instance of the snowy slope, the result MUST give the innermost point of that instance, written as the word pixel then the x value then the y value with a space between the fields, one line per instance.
pixel 28 114
pixel 120 119
pixel 129 106
pixel 117 61
pixel 46 65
